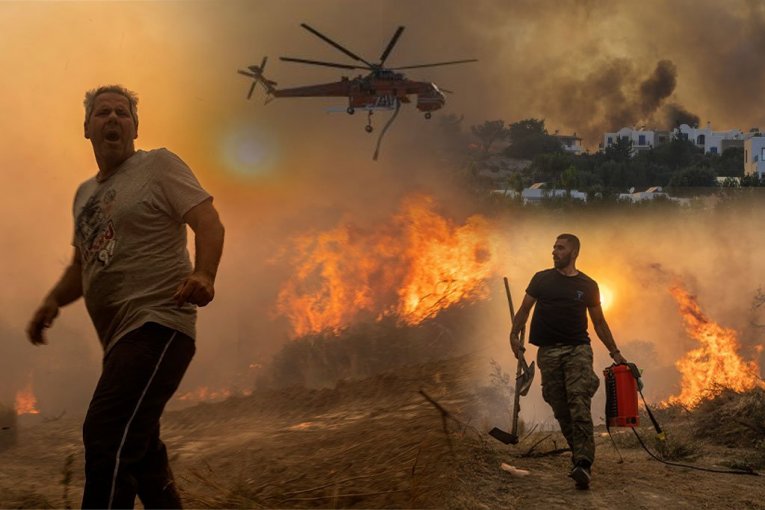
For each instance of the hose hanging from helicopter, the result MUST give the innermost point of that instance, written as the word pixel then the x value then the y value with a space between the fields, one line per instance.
pixel 385 128
pixel 363 91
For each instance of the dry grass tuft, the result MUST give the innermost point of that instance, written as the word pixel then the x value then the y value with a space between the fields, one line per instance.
pixel 732 419
pixel 679 445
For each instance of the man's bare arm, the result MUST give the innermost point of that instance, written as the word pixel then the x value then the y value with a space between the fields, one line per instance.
pixel 521 316
pixel 604 333
pixel 67 290
pixel 199 287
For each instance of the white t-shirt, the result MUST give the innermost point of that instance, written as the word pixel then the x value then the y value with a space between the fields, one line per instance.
pixel 130 230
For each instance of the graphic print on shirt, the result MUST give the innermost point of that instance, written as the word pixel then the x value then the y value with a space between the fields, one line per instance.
pixel 95 229
pixel 579 295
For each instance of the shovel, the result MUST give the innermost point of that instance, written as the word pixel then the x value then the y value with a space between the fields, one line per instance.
pixel 524 375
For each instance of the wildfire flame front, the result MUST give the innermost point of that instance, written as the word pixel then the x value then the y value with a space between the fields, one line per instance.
pixel 410 267
pixel 715 364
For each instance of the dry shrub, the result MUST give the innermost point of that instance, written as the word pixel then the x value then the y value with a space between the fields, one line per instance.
pixel 679 445
pixel 732 419
pixel 367 349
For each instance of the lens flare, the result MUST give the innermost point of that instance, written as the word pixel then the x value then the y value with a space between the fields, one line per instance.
pixel 249 151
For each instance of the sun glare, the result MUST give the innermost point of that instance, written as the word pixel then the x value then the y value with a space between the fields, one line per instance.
pixel 249 151
pixel 606 297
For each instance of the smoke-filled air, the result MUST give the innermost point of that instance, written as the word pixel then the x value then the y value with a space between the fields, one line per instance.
pixel 318 236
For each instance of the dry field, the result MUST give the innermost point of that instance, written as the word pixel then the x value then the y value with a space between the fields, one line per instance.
pixel 378 443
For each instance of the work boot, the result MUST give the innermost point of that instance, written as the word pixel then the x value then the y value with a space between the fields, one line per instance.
pixel 581 475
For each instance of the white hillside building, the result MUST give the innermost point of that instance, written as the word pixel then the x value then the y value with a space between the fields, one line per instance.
pixel 754 156
pixel 571 144
pixel 642 139
pixel 711 141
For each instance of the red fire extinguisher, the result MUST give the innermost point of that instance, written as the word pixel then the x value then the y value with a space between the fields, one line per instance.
pixel 622 386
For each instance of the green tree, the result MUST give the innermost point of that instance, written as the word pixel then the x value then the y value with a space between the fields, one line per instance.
pixel 569 178
pixel 694 177
pixel 515 182
pixel 677 154
pixel 731 162
pixel 489 132
pixel 621 150
pixel 750 181
pixel 529 138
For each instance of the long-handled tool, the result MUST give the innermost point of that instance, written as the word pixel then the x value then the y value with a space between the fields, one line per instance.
pixel 524 375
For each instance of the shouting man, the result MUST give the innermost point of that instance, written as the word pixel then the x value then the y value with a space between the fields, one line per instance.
pixel 132 266
pixel 563 296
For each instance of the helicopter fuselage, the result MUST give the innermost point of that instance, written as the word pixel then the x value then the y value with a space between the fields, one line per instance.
pixel 373 92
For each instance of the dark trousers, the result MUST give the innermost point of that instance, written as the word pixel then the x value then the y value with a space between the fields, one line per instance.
pixel 124 456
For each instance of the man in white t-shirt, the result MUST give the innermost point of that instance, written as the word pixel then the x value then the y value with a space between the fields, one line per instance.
pixel 141 291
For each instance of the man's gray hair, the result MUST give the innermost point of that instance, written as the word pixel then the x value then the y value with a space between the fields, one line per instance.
pixel 91 95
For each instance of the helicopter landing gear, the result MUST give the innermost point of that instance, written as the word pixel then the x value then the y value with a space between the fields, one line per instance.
pixel 350 110
pixel 428 115
pixel 368 128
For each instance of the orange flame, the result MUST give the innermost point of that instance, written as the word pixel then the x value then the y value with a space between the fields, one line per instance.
pixel 26 402
pixel 715 364
pixel 411 267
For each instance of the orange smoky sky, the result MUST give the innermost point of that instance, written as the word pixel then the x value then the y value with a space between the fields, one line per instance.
pixel 278 169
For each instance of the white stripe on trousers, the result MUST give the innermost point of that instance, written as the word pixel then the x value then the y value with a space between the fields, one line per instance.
pixel 135 411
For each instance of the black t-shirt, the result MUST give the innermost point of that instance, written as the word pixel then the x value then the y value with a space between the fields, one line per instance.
pixel 560 314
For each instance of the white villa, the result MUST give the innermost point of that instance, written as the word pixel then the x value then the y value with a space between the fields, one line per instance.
pixel 571 144
pixel 711 141
pixel 754 156
pixel 642 139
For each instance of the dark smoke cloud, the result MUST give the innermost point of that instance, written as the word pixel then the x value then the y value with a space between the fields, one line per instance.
pixel 608 99
pixel 674 115
pixel 657 87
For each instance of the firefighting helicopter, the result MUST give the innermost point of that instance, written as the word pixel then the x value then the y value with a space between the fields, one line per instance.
pixel 382 89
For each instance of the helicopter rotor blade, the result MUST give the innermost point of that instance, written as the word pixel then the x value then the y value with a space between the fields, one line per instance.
pixel 252 89
pixel 333 43
pixel 436 64
pixel 320 63
pixel 250 75
pixel 391 44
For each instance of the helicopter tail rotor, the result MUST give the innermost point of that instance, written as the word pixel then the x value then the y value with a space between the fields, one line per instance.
pixel 256 73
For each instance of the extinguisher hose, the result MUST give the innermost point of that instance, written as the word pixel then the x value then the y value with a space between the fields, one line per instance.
pixel 698 468
pixel 659 433
pixel 661 436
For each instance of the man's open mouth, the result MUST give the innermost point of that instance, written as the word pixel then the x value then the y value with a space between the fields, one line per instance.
pixel 112 136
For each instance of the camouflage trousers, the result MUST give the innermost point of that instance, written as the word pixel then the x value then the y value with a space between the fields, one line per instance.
pixel 568 384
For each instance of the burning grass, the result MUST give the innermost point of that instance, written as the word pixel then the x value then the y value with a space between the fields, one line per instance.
pixel 371 348
pixel 410 266
pixel 715 365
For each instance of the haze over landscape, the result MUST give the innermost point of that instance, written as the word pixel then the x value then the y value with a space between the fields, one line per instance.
pixel 290 168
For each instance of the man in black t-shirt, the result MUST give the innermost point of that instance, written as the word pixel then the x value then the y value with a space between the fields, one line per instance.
pixel 563 296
